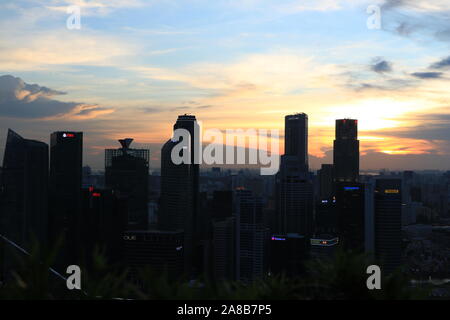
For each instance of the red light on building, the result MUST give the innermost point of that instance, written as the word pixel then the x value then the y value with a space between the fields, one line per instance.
pixel 68 135
pixel 96 194
pixel 91 189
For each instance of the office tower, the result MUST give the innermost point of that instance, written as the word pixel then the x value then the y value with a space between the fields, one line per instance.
pixel 223 246
pixel 180 191
pixel 346 151
pixel 126 172
pixel 388 217
pixel 66 158
pixel 326 217
pixel 294 198
pixel 287 254
pixel 326 178
pixel 296 138
pixel 160 251
pixel 350 203
pixel 103 217
pixel 24 188
pixel 324 246
pixel 252 236
pixel 224 258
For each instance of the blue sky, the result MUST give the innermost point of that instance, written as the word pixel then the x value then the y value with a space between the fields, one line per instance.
pixel 134 65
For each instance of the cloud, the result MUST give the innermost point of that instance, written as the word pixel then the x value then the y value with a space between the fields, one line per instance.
pixel 381 66
pixel 442 64
pixel 96 7
pixel 427 75
pixel 21 100
pixel 172 109
pixel 417 17
pixel 59 48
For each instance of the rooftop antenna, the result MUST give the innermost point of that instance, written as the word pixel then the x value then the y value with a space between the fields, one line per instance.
pixel 125 143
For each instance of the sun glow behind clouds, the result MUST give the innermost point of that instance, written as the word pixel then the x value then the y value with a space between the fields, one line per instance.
pixel 374 114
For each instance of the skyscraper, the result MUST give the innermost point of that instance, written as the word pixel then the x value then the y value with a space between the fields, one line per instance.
pixel 103 218
pixel 24 186
pixel 326 178
pixel 296 138
pixel 180 191
pixel 294 198
pixel 388 219
pixel 126 172
pixel 350 206
pixel 224 259
pixel 66 159
pixel 294 186
pixel 346 151
pixel 252 236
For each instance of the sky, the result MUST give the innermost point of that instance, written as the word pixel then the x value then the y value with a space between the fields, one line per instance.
pixel 133 66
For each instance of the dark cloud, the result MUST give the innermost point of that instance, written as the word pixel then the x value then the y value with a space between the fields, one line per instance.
pixel 388 85
pixel 442 64
pixel 21 100
pixel 381 66
pixel 150 109
pixel 410 17
pixel 205 107
pixel 173 109
pixel 427 75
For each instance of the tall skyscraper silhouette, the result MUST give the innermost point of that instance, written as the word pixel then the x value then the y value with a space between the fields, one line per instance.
pixel 126 172
pixel 252 236
pixel 346 151
pixel 388 219
pixel 24 209
pixel 350 206
pixel 180 191
pixel 66 159
pixel 294 186
pixel 296 138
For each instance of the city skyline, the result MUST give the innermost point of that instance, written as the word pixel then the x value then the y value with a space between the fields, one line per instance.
pixel 133 66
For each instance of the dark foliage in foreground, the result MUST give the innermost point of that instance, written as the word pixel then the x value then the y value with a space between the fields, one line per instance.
pixel 342 278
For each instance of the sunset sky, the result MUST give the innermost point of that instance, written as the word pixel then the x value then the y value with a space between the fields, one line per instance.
pixel 135 65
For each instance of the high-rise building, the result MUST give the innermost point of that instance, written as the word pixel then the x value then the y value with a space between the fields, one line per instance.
pixel 252 236
pixel 296 138
pixel 388 219
pixel 326 179
pixel 294 200
pixel 224 259
pixel 126 172
pixel 288 254
pixel 223 236
pixel 24 188
pixel 326 216
pixel 346 151
pixel 66 159
pixel 350 204
pixel 103 217
pixel 161 251
pixel 180 191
